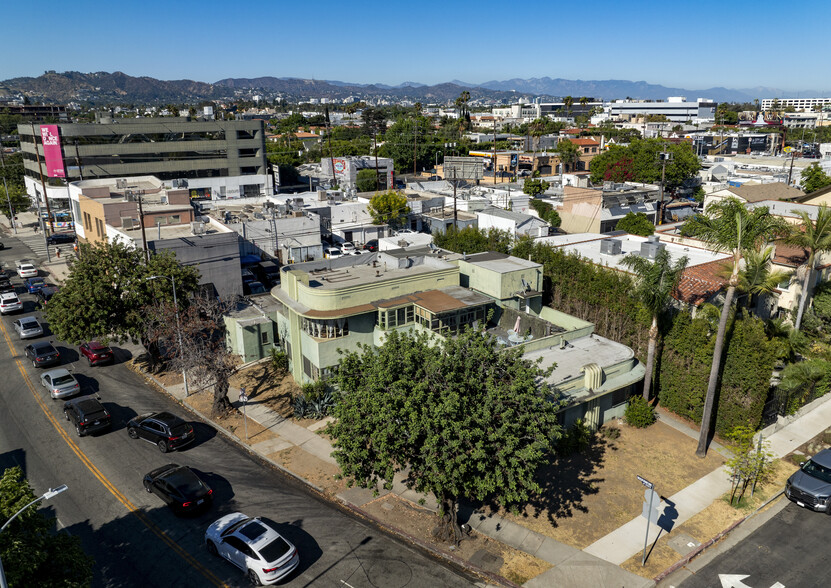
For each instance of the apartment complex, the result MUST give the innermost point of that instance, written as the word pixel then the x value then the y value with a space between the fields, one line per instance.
pixel 802 104
pixel 326 306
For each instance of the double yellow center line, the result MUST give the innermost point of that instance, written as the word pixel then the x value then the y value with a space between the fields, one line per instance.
pixel 140 515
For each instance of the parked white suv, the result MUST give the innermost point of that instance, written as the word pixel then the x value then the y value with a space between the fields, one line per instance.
pixel 348 248
pixel 9 302
pixel 332 253
pixel 254 547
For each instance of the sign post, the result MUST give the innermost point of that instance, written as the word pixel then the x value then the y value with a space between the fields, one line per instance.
pixel 649 495
pixel 243 398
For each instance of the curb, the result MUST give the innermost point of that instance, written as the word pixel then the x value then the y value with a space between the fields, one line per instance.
pixel 395 531
pixel 698 550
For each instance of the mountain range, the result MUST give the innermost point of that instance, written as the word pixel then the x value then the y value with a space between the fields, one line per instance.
pixel 119 88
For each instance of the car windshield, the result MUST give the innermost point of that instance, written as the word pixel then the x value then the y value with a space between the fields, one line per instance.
pixel 275 550
pixel 179 429
pixel 29 324
pixel 60 380
pixel 815 470
pixel 44 350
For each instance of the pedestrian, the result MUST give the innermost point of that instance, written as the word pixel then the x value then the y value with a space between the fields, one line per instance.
pixel 75 247
pixel 58 252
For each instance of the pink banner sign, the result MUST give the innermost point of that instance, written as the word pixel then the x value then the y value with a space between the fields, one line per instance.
pixel 52 151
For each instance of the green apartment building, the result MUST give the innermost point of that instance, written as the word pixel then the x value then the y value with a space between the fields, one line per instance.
pixel 327 305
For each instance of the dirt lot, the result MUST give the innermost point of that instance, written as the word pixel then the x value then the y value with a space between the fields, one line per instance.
pixel 263 383
pixel 587 495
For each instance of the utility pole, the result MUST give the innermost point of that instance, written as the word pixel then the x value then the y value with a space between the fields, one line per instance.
pixel 664 156
pixel 329 139
pixel 455 214
pixel 494 155
pixel 790 171
pixel 375 142
pixel 43 185
pixel 138 197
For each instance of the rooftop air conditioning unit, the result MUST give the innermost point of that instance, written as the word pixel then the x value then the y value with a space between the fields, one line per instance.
pixel 163 199
pixel 610 246
pixel 197 228
pixel 128 223
pixel 651 247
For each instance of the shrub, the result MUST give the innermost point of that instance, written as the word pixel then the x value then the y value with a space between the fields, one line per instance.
pixel 316 400
pixel 577 438
pixel 639 413
pixel 279 360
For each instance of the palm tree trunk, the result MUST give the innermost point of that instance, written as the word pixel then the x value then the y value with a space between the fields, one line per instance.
pixel 650 357
pixel 704 433
pixel 803 300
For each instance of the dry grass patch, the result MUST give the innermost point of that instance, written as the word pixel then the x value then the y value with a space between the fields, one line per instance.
pixel 307 466
pixel 264 384
pixel 707 524
pixel 590 494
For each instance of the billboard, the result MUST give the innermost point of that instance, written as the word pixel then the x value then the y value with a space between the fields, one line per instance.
pixel 52 151
pixel 340 166
pixel 463 168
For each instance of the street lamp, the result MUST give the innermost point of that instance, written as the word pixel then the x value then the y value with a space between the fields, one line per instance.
pixel 51 493
pixel 178 325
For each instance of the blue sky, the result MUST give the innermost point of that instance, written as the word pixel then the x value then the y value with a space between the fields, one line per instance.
pixel 678 43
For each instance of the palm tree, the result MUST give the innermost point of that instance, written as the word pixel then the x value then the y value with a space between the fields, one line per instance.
pixel 758 278
pixel 815 236
pixel 728 226
pixel 654 284
pixel 568 102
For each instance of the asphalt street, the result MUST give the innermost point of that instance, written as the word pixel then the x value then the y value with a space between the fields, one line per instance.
pixel 789 550
pixel 135 540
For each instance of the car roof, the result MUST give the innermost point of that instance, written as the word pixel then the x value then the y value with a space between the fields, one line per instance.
pixel 27 319
pixel 42 345
pixel 58 372
pixel 823 458
pixel 166 418
pixel 89 404
pixel 96 345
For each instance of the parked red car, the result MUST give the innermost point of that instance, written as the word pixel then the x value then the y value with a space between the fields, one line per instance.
pixel 96 353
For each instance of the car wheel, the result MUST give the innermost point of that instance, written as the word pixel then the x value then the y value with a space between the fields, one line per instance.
pixel 78 430
pixel 35 364
pixel 132 433
pixel 163 446
pixel 254 578
pixel 212 548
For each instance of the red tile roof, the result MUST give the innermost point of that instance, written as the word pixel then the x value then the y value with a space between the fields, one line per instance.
pixel 701 282
pixel 584 142
pixel 792 255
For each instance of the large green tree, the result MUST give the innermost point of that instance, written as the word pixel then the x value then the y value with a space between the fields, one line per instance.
pixel 32 554
pixel 534 187
pixel 389 208
pixel 644 165
pixel 815 237
pixel 814 178
pixel 408 139
pixel 654 285
pixel 473 240
pixel 728 226
pixel 18 198
pixel 107 289
pixel 462 418
pixel 636 223
pixel 568 153
pixel 367 180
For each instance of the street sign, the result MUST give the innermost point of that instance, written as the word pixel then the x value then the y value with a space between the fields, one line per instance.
pixel 652 507
pixel 788 149
pixel 646 483
pixel 243 398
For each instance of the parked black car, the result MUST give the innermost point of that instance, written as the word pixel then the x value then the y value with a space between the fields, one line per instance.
pixel 87 414
pixel 249 288
pixel 58 238
pixel 165 430
pixel 42 354
pixel 5 285
pixel 268 273
pixel 44 294
pixel 371 245
pixel 181 489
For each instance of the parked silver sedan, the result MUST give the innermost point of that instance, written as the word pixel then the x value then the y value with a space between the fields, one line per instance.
pixel 28 327
pixel 60 383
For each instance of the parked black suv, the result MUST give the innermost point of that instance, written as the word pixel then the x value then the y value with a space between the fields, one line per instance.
pixel 87 414
pixel 58 238
pixel 42 354
pixel 163 429
pixel 44 294
pixel 179 487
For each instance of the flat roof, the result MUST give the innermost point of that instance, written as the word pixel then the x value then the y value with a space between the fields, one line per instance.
pixel 587 245
pixel 501 262
pixel 569 362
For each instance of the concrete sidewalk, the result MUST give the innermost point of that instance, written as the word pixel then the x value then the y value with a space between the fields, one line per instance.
pixel 35 248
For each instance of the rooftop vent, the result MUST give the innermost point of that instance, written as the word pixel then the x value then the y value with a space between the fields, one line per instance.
pixel 610 246
pixel 197 228
pixel 651 247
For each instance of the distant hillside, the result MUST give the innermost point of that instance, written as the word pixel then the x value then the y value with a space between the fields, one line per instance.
pixel 120 88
